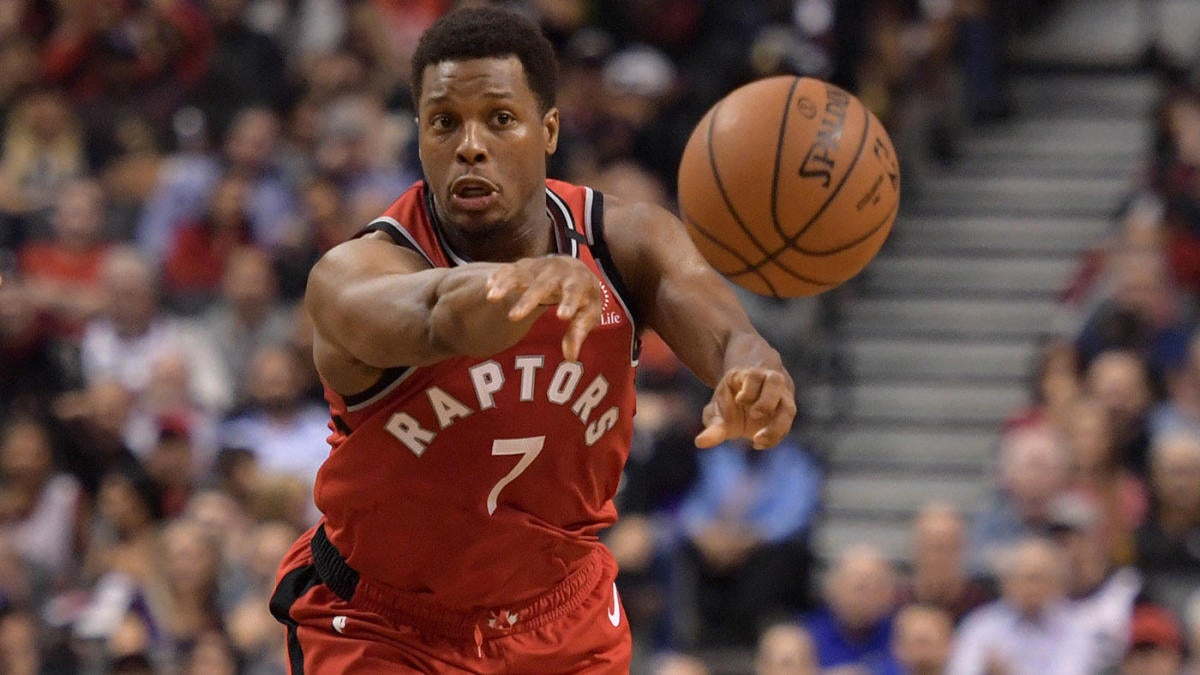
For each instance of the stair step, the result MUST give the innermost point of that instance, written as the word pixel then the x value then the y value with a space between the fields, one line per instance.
pixel 940 340
pixel 934 402
pixel 875 358
pixel 1180 29
pixel 1103 33
pixel 997 234
pixel 1022 195
pixel 887 447
pixel 1074 126
pixel 887 493
pixel 948 317
pixel 1130 95
pixel 923 273
pixel 1102 167
pixel 1127 151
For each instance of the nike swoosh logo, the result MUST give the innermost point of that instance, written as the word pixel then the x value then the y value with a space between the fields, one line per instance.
pixel 614 614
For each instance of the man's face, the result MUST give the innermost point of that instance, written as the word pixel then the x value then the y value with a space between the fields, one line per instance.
pixel 272 381
pixel 862 591
pixel 785 650
pixel 1035 579
pixel 483 141
pixel 1119 382
pixel 938 543
pixel 921 640
pixel 1175 474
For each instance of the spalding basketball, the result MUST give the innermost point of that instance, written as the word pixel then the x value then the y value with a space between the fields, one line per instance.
pixel 789 186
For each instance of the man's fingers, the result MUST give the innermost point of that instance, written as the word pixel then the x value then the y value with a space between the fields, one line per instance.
pixel 777 427
pixel 582 323
pixel 573 297
pixel 749 387
pixel 501 282
pixel 579 303
pixel 542 291
pixel 712 435
pixel 774 389
pixel 715 429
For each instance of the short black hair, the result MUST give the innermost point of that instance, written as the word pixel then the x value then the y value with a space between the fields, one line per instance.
pixel 488 32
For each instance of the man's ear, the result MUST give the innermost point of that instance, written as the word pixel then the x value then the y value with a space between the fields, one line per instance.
pixel 550 128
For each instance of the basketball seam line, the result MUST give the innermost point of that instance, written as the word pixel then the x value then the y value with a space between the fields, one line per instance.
pixel 849 245
pixel 712 163
pixel 770 257
pixel 728 249
pixel 787 108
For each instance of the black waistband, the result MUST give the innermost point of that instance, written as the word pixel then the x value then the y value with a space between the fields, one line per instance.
pixel 335 573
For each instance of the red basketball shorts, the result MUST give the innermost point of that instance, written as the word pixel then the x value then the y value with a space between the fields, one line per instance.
pixel 338 622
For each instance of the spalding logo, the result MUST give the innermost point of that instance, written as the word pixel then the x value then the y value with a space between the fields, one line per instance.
pixel 819 160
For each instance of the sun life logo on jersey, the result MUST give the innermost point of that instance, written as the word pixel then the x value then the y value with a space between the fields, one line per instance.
pixel 608 317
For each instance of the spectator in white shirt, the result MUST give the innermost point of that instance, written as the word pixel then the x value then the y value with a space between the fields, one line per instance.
pixel 286 434
pixel 1034 469
pixel 124 343
pixel 1030 630
pixel 1102 596
pixel 248 314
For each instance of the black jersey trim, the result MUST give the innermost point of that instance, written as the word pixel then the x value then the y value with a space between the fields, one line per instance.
pixel 291 588
pixel 594 222
pixel 566 232
pixel 388 380
pixel 399 236
pixel 340 424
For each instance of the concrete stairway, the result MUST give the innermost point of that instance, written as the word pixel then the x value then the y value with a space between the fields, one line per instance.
pixel 940 335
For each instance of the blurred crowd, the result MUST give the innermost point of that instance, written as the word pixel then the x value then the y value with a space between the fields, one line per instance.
pixel 170 170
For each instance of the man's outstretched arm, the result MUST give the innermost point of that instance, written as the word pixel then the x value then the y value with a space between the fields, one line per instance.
pixel 379 305
pixel 679 295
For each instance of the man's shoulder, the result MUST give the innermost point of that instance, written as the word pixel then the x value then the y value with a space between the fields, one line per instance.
pixel 406 207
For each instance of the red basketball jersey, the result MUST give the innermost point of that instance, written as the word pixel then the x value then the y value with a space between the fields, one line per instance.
pixel 484 481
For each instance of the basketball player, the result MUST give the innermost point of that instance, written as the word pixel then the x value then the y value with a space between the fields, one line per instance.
pixel 478 345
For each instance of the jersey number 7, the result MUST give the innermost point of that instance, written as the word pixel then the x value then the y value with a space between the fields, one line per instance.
pixel 529 448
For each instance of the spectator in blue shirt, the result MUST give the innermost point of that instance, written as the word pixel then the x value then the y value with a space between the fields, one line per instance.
pixel 854 628
pixel 744 522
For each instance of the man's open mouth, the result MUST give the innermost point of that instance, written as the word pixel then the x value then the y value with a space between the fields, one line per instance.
pixel 469 187
pixel 473 193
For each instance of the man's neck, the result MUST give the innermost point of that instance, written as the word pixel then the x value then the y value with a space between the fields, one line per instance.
pixel 529 237
pixel 503 244
pixel 941 586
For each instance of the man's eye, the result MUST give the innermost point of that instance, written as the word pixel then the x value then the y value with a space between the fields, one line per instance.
pixel 504 119
pixel 441 121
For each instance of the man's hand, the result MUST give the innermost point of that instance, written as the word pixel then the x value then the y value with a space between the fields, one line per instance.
pixel 551 280
pixel 754 403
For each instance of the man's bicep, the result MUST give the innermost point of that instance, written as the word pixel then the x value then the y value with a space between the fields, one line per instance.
pixel 365 299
